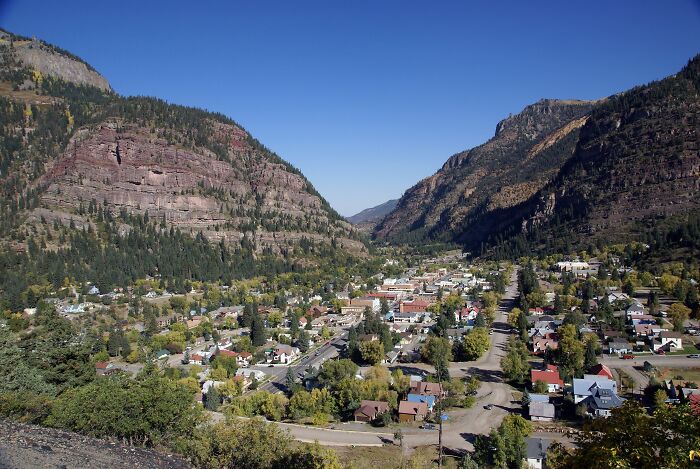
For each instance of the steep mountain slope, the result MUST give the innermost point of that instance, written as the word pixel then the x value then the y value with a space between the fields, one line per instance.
pixel 635 171
pixel 71 149
pixel 373 214
pixel 458 201
pixel 562 176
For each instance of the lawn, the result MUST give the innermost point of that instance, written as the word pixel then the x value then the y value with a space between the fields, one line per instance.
pixel 688 348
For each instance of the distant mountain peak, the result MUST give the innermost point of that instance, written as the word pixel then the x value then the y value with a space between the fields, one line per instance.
pixel 373 214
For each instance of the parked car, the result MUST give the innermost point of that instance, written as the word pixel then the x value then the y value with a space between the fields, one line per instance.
pixel 627 356
pixel 488 406
pixel 694 355
pixel 427 426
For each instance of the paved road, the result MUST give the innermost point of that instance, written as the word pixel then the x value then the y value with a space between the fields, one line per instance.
pixel 278 381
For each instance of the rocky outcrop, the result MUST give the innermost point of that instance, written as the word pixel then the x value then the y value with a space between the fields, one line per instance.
pixel 49 60
pixel 524 154
pixel 25 446
pixel 123 166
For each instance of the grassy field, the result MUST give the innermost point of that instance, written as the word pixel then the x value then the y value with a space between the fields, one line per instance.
pixel 390 457
pixel 688 374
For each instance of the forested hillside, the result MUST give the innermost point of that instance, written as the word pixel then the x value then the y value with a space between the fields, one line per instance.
pixel 635 175
pixel 100 187
pixel 563 176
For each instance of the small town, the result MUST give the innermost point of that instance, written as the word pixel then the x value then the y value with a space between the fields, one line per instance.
pixel 443 350
pixel 349 235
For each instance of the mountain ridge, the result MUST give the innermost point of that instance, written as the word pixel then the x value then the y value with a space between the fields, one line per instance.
pixel 373 214
pixel 70 145
pixel 622 168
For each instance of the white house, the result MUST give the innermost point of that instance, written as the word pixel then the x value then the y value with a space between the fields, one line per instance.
pixel 536 452
pixel 284 354
pixel 668 341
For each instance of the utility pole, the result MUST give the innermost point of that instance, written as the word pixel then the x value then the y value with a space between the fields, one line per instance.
pixel 440 417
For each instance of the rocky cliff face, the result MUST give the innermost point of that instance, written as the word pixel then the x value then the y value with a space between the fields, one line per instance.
pixel 524 154
pixel 67 149
pixel 49 60
pixel 126 167
pixel 636 164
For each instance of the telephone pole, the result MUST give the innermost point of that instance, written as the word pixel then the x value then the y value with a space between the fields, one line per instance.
pixel 439 406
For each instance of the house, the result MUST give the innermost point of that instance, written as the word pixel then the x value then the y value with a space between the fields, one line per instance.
pixel 428 399
pixel 635 309
pixel 284 354
pixel 369 410
pixel 541 411
pixel 426 388
pixel 412 411
pixel 619 346
pixel 668 341
pixel 196 359
pixel 550 376
pixel 161 354
pixel 541 344
pixel 93 290
pixel 242 358
pixel 601 370
pixel 104 368
pixel 601 402
pixel 536 452
pixel 391 357
pixel 585 387
pixel 407 317
pixel 303 321
pixel 644 330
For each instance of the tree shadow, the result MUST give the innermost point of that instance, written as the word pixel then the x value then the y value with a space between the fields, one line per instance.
pixel 488 376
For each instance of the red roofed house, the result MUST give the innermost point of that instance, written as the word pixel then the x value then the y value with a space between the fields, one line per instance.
pixel 415 306
pixel 412 411
pixel 694 400
pixel 104 368
pixel 196 359
pixel 369 410
pixel 550 376
pixel 601 370
pixel 425 388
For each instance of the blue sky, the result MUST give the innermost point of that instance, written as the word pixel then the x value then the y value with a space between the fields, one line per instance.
pixel 368 97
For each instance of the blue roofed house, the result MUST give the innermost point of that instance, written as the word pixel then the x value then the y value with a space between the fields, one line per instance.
pixel 427 398
pixel 584 388
pixel 602 401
